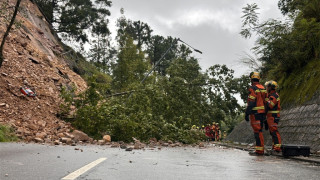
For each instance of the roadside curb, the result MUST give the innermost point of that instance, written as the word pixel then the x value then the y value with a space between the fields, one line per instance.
pixel 310 159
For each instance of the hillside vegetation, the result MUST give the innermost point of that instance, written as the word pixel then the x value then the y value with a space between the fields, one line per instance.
pixel 289 49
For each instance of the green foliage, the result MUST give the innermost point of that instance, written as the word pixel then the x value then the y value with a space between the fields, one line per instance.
pixel 301 85
pixel 137 30
pixel 289 50
pixel 131 66
pixel 67 95
pixel 74 18
pixel 7 134
pixel 167 104
pixel 165 109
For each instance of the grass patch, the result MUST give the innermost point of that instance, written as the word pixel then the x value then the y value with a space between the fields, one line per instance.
pixel 7 134
pixel 301 85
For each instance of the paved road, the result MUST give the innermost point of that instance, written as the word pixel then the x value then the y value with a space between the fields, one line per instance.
pixel 33 161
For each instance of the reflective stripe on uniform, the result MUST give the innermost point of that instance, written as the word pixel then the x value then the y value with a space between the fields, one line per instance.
pixel 272 104
pixel 277 145
pixel 258 108
pixel 278 99
pixel 259 148
pixel 252 97
pixel 273 112
pixel 261 90
pixel 266 99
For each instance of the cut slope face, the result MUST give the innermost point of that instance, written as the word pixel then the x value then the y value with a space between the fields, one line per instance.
pixel 32 60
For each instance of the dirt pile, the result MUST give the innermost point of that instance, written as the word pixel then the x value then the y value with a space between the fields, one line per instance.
pixel 32 60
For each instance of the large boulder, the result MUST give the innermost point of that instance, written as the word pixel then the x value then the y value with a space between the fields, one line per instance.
pixel 80 136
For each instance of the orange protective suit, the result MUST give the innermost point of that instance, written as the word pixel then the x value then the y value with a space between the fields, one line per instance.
pixel 256 111
pixel 273 118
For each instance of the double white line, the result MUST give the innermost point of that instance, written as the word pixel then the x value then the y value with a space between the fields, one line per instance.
pixel 84 169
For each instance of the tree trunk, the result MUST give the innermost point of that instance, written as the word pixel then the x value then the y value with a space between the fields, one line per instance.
pixel 8 30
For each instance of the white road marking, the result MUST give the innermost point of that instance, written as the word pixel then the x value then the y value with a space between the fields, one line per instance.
pixel 84 169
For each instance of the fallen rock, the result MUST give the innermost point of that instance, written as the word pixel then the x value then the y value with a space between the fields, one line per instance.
pixel 165 144
pixel 38 140
pixel 101 142
pixel 68 135
pixel 172 145
pixel 201 145
pixel 56 142
pixel 153 140
pixel 136 146
pixel 60 135
pixel 41 135
pixel 80 136
pixel 115 145
pixel 66 140
pixel 33 126
pixel 107 138
pixel 129 149
pixel 123 146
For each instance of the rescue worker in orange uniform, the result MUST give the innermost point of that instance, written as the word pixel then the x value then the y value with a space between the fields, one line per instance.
pixel 256 110
pixel 273 114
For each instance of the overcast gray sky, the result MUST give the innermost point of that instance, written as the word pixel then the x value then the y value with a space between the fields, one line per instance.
pixel 211 26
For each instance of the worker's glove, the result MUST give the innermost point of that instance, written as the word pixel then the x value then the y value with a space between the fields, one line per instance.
pixel 266 127
pixel 246 117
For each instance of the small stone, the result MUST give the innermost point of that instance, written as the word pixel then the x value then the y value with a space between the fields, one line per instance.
pixel 66 140
pixel 153 140
pixel 137 146
pixel 6 175
pixel 130 161
pixel 122 146
pixel 129 149
pixel 165 144
pixel 38 140
pixel 172 145
pixel 56 142
pixel 76 149
pixel 25 82
pixel 2 104
pixel 101 142
pixel 68 135
pixel 58 156
pixel 201 145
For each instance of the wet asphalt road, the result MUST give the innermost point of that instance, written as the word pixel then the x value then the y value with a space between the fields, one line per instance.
pixel 43 162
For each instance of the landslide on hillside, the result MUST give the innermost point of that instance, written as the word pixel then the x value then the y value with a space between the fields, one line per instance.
pixel 32 59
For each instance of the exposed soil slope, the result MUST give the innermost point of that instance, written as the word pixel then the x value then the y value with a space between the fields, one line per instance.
pixel 32 59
